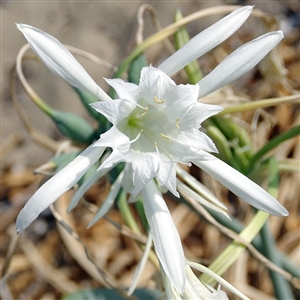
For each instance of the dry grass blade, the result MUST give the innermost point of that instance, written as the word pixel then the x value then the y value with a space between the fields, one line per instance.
pixel 156 23
pixel 77 248
pixel 34 134
pixel 11 250
pixel 52 275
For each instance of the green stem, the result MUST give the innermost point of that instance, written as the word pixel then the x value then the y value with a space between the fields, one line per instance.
pixel 263 103
pixel 273 144
pixel 236 226
pixel 126 213
pixel 235 249
pixel 42 105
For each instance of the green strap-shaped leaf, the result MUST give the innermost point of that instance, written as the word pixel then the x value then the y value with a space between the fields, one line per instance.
pixel 86 99
pixel 135 68
pixel 181 37
pixel 273 144
pixel 73 127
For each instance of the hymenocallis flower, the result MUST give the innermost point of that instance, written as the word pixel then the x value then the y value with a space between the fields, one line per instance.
pixel 155 125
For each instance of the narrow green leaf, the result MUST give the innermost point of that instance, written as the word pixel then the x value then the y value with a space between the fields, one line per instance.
pixel 222 145
pixel 135 68
pixel 89 173
pixel 181 37
pixel 273 144
pixel 141 212
pixel 232 131
pixel 73 127
pixel 86 99
pixel 62 160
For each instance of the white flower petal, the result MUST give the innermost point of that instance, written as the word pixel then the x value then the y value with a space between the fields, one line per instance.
pixel 240 185
pixel 145 167
pixel 197 114
pixel 114 111
pixel 85 186
pixel 141 266
pixel 120 144
pixel 112 138
pixel 57 185
pixel 190 145
pixel 155 83
pixel 239 62
pixel 165 236
pixel 167 174
pixel 206 40
pixel 58 59
pixel 171 293
pixel 114 190
pixel 124 90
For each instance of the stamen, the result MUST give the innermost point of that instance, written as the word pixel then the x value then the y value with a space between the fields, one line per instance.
pixel 136 104
pixel 158 101
pixel 177 122
pixel 146 109
pixel 164 136
pixel 137 137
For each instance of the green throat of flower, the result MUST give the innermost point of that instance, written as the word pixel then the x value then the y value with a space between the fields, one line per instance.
pixel 148 127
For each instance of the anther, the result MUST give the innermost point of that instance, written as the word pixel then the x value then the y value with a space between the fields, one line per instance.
pixel 177 122
pixel 146 109
pixel 158 101
pixel 164 136
pixel 137 137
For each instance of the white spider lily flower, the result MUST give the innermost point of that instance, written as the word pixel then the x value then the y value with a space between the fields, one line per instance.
pixel 57 185
pixel 155 125
pixel 58 59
